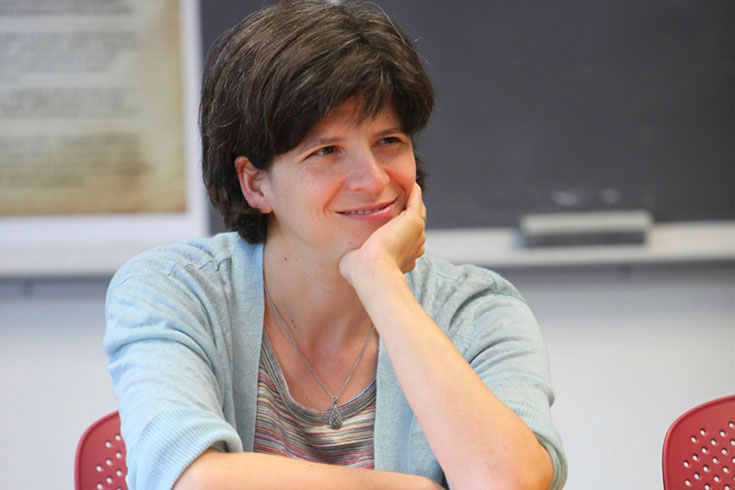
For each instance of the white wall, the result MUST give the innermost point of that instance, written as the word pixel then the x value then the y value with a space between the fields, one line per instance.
pixel 630 351
pixel 53 379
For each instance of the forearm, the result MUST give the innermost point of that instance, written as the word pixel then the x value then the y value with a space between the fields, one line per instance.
pixel 478 440
pixel 241 471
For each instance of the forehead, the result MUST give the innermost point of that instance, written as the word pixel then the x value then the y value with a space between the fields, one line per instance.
pixel 352 113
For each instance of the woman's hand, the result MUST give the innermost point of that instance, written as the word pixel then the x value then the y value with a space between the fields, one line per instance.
pixel 480 444
pixel 398 243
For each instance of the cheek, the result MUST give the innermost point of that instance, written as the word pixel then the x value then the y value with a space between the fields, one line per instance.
pixel 405 174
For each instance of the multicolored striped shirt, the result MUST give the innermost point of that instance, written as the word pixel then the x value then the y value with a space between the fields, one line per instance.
pixel 286 428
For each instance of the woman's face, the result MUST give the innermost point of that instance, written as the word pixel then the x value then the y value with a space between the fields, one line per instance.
pixel 341 183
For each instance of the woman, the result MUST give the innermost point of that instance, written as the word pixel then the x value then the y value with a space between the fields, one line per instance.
pixel 316 343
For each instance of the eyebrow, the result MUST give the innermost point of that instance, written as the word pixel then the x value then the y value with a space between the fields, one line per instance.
pixel 395 129
pixel 316 141
pixel 329 140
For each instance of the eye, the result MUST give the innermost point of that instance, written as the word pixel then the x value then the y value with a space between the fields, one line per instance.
pixel 325 150
pixel 390 140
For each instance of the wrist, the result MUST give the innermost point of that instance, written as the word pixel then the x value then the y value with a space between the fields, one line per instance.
pixel 376 275
pixel 384 293
pixel 358 266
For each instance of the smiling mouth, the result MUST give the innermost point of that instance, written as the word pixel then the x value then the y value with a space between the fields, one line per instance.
pixel 366 211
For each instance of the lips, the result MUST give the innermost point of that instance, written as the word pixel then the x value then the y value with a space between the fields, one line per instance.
pixel 368 210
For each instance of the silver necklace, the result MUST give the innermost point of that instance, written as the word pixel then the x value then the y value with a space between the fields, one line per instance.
pixel 335 417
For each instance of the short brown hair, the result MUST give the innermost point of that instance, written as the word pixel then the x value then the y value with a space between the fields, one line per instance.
pixel 273 76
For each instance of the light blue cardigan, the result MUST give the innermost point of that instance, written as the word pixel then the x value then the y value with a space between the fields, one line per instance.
pixel 184 330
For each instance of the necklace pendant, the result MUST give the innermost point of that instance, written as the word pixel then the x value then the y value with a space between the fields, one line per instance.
pixel 335 418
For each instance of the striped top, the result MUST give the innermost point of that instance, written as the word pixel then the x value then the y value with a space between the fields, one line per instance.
pixel 286 428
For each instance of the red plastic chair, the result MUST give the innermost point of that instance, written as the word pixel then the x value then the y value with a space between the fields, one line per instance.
pixel 699 448
pixel 100 460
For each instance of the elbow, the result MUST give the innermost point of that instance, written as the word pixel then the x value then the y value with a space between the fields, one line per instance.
pixel 533 474
pixel 536 474
pixel 197 475
pixel 526 474
pixel 521 479
pixel 528 480
pixel 533 480
pixel 190 479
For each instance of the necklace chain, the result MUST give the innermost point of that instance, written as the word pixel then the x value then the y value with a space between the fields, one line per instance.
pixel 335 417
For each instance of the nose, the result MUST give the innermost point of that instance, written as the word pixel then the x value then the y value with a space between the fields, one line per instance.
pixel 367 174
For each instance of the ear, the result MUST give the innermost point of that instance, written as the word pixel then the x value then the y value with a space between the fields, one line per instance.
pixel 253 184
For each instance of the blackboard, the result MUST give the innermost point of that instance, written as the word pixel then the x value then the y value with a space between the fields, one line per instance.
pixel 569 106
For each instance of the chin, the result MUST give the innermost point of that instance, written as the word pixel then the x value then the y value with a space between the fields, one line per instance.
pixel 353 244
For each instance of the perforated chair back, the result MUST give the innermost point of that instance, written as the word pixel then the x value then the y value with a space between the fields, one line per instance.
pixel 100 458
pixel 699 448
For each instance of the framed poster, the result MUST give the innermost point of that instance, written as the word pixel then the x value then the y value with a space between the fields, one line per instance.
pixel 99 149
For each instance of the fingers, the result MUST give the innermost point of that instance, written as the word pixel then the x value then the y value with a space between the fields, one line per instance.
pixel 415 202
pixel 414 199
pixel 420 197
pixel 402 238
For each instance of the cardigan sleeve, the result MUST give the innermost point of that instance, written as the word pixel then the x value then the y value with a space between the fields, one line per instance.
pixel 505 348
pixel 168 364
pixel 508 353
pixel 492 326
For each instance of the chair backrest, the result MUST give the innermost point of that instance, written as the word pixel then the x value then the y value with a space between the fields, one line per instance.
pixel 100 459
pixel 699 448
